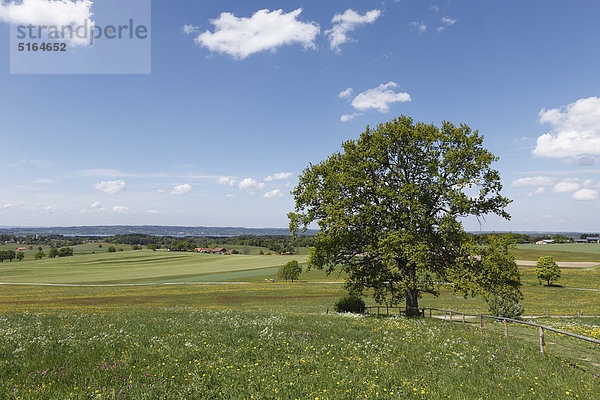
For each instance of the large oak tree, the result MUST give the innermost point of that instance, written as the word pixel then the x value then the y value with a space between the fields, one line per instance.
pixel 389 205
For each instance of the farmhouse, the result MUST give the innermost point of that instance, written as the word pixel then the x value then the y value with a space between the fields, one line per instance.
pixel 545 241
pixel 21 248
pixel 593 239
pixel 580 241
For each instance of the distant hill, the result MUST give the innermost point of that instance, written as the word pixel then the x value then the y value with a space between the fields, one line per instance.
pixel 156 230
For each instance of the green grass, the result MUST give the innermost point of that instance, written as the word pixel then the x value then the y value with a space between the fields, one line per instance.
pixel 90 338
pixel 560 252
pixel 177 353
pixel 137 266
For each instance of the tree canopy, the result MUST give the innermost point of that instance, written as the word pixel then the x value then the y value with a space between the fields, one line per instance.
pixel 290 271
pixel 547 269
pixel 389 205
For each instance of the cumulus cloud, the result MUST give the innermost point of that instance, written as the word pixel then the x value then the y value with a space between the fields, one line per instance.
pixel 111 187
pixel 585 195
pixel 189 29
pixel 5 206
pixel 45 12
pixel 181 189
pixel 120 209
pixel 575 131
pixel 97 206
pixel 536 192
pixel 348 117
pixel 265 30
pixel 565 187
pixel 379 98
pixel 251 184
pixel 345 94
pixel 273 194
pixel 533 181
pixel 278 176
pixel 57 13
pixel 151 212
pixel 418 26
pixel 346 22
pixel 224 180
pixel 446 22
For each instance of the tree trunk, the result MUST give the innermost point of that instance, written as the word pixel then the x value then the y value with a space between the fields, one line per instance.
pixel 412 302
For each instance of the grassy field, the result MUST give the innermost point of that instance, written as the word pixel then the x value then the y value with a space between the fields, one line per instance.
pixel 269 340
pixel 138 266
pixel 560 252
pixel 184 353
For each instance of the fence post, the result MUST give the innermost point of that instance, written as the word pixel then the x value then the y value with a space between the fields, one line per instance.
pixel 450 315
pixel 505 329
pixel 481 323
pixel 387 310
pixel 327 311
pixel 463 318
pixel 430 313
pixel 542 341
pixel 377 310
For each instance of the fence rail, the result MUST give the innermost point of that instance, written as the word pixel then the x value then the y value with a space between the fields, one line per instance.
pixel 449 314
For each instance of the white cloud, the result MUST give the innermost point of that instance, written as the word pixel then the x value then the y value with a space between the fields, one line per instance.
pixel 120 209
pixel 565 187
pixel 344 94
pixel 278 176
pixel 585 195
pixel 379 98
pixel 533 181
pixel 347 22
pixel 418 26
pixel 29 164
pixel 265 30
pixel 251 184
pixel 348 117
pixel 189 29
pixel 6 206
pixel 44 181
pixel 224 180
pixel 446 22
pixel 151 212
pixel 111 187
pixel 536 192
pixel 229 195
pixel 45 12
pixel 273 194
pixel 575 130
pixel 57 13
pixel 181 189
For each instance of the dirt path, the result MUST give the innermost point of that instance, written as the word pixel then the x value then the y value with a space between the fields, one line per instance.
pixel 562 264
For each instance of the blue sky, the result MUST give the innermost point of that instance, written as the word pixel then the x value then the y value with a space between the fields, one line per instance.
pixel 237 105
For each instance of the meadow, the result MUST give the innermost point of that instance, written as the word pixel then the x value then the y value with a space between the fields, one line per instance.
pixel 219 331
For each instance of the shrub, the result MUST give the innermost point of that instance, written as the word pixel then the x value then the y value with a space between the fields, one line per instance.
pixel 350 303
pixel 112 249
pixel 506 305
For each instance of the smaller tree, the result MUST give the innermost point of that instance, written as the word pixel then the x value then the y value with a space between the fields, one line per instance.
pixel 65 252
pixel 39 255
pixel 112 249
pixel 10 255
pixel 547 269
pixel 20 256
pixel 3 255
pixel 53 252
pixel 290 271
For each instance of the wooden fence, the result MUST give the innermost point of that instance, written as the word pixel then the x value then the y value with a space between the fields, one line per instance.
pixel 449 315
